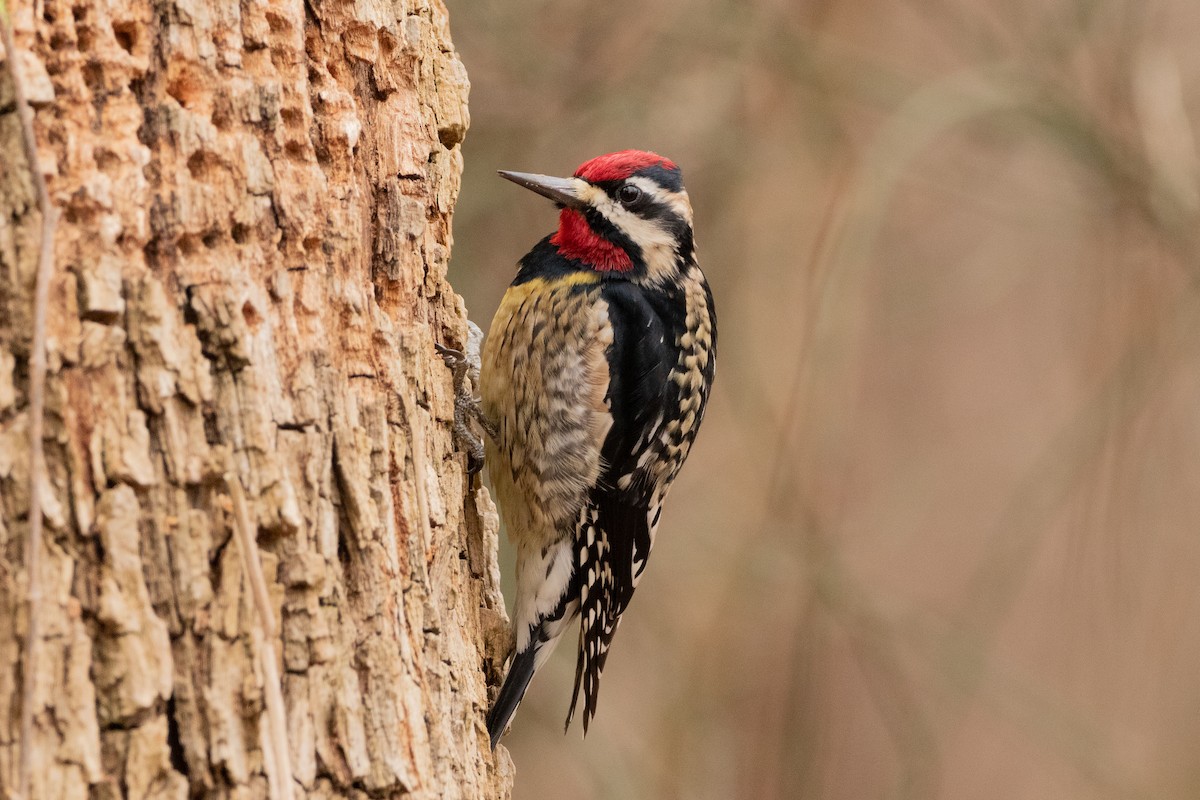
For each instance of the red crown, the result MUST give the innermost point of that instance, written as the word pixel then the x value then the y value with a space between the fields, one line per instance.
pixel 619 166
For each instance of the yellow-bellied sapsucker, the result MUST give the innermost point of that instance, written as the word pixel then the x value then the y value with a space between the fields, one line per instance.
pixel 595 376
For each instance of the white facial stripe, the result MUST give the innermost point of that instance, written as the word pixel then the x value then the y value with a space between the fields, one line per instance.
pixel 588 193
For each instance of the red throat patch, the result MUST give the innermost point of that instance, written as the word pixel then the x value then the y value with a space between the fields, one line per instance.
pixel 619 166
pixel 576 239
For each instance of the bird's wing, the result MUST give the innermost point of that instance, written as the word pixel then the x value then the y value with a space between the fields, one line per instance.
pixel 615 530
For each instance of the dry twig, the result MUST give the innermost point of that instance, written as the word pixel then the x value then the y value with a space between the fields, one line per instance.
pixel 37 401
pixel 264 636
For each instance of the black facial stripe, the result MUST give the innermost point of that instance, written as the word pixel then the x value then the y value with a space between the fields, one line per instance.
pixel 687 245
pixel 677 225
pixel 670 179
pixel 651 209
pixel 605 228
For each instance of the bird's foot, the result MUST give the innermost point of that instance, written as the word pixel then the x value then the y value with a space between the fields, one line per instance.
pixel 465 367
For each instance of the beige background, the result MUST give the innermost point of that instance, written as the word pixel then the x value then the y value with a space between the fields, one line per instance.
pixel 939 535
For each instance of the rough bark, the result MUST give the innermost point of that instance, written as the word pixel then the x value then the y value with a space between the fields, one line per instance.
pixel 250 276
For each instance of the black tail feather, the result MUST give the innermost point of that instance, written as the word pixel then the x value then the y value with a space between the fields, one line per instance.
pixel 515 684
pixel 579 667
pixel 599 612
pixel 589 665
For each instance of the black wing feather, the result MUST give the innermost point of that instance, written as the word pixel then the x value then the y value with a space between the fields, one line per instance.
pixel 614 531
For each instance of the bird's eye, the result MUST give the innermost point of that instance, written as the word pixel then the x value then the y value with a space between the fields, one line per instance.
pixel 629 194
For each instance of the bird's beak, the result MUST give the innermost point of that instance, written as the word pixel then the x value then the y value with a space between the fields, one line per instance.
pixel 561 190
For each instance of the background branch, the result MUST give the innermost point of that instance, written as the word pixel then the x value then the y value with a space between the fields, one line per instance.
pixel 37 399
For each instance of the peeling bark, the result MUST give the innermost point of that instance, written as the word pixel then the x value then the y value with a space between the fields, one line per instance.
pixel 250 276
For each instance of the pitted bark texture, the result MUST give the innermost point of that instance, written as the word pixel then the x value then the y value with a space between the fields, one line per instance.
pixel 250 278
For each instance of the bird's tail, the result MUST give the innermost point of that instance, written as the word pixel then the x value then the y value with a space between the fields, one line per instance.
pixel 544 610
pixel 515 684
pixel 598 622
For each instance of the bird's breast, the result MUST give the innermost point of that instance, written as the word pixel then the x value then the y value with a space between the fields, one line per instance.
pixel 543 383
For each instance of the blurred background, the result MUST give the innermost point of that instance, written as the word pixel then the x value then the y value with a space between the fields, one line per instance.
pixel 940 534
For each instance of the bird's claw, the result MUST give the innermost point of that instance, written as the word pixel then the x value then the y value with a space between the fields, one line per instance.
pixel 465 367
pixel 451 356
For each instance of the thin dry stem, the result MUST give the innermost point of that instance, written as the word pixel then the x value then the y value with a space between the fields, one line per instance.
pixel 276 718
pixel 418 456
pixel 37 402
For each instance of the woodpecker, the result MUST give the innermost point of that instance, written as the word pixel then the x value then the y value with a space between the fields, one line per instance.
pixel 595 376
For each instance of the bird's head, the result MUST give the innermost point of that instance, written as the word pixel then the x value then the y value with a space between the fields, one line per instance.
pixel 625 214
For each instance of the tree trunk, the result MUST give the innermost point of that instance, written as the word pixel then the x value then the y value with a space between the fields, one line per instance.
pixel 250 275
